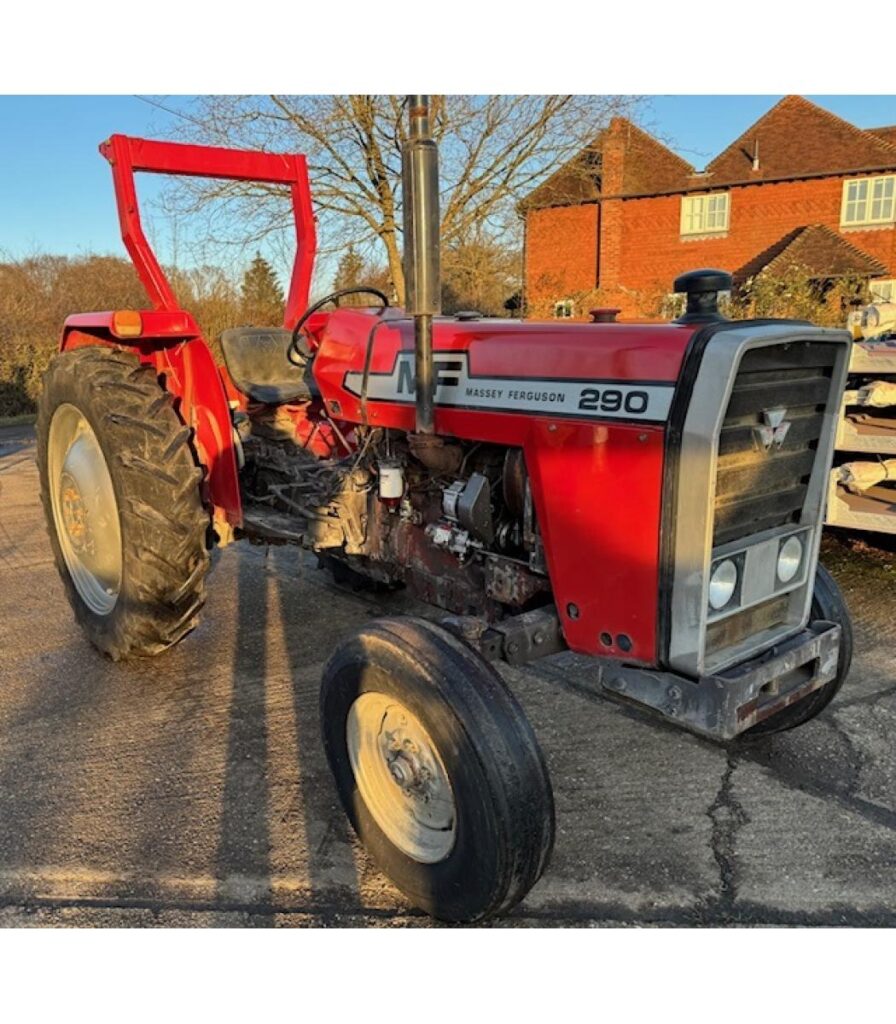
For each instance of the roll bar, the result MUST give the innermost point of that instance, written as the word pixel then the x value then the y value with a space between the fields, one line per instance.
pixel 128 155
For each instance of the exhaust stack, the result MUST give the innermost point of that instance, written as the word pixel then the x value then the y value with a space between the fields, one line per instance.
pixel 420 184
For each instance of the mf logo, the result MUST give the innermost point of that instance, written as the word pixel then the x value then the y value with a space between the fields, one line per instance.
pixel 774 428
pixel 447 374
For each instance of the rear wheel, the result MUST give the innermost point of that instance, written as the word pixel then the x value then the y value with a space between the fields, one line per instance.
pixel 120 490
pixel 437 768
pixel 827 604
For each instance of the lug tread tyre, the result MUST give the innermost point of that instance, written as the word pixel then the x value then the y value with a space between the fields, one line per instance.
pixel 164 525
pixel 492 742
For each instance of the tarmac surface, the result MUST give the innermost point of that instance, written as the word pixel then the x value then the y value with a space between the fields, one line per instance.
pixel 192 790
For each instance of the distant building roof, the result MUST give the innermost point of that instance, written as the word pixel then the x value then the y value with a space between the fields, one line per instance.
pixel 576 181
pixel 887 133
pixel 796 138
pixel 647 166
pixel 820 251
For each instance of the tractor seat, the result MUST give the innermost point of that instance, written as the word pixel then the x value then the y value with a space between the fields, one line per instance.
pixel 258 364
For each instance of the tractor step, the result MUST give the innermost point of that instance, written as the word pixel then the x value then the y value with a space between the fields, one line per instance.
pixel 263 525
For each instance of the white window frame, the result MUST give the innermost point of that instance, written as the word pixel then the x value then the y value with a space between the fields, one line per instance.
pixel 862 212
pixel 883 290
pixel 565 309
pixel 708 213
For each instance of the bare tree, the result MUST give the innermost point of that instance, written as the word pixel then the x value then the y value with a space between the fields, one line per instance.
pixel 494 150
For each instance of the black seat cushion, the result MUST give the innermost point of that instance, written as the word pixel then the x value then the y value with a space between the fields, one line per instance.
pixel 259 366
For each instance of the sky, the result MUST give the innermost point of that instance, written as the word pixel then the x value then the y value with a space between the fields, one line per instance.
pixel 56 190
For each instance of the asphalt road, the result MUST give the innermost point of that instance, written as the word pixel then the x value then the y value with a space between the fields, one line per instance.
pixel 191 789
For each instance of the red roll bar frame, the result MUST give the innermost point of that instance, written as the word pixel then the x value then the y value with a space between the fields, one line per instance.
pixel 128 155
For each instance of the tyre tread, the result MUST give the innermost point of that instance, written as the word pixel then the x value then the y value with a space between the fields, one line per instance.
pixel 166 557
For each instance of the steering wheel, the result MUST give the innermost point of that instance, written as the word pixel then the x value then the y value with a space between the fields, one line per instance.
pixel 292 353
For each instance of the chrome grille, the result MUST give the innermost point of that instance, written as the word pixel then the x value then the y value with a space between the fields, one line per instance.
pixel 740 492
pixel 759 489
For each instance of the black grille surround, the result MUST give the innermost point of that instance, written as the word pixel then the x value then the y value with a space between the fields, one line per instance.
pixel 759 488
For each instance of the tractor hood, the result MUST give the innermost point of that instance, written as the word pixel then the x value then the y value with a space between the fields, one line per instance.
pixel 497 365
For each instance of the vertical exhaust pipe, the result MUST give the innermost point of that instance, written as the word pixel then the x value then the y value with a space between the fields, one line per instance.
pixel 420 184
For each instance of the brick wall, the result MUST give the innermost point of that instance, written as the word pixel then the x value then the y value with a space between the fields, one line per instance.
pixel 561 252
pixel 642 250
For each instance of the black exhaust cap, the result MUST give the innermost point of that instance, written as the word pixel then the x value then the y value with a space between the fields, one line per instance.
pixel 702 289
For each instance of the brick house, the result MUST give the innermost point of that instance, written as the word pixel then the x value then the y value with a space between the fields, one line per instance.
pixel 616 224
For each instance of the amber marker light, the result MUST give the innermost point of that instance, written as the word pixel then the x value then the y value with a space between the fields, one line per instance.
pixel 127 323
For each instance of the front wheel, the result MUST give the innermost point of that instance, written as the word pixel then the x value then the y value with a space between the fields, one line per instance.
pixel 827 604
pixel 437 768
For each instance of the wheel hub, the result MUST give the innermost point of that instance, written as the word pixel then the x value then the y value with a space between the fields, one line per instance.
pixel 406 764
pixel 401 777
pixel 74 515
pixel 85 510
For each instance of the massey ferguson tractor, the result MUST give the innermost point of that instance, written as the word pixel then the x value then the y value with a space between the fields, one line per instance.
pixel 650 496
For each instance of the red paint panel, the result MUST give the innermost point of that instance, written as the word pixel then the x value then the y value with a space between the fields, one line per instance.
pixel 597 491
pixel 157 324
pixel 512 348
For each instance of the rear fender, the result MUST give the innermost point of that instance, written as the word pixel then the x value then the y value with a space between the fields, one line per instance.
pixel 173 345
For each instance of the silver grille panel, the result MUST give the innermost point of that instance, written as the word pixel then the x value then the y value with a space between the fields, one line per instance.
pixel 742 480
pixel 758 488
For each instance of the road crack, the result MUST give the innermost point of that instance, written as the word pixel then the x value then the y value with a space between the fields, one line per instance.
pixel 727 817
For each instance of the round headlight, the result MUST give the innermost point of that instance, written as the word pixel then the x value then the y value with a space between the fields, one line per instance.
pixel 789 558
pixel 722 584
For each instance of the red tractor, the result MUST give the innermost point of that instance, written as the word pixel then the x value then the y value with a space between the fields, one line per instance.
pixel 649 495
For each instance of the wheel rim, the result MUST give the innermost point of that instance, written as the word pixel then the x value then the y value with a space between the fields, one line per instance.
pixel 85 512
pixel 401 777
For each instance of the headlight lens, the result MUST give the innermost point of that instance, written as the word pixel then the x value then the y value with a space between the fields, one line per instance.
pixel 722 584
pixel 789 558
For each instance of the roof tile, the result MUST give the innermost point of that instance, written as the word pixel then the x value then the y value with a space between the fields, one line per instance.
pixel 648 166
pixel 819 250
pixel 797 137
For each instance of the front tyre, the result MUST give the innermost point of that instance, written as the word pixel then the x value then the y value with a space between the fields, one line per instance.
pixel 120 491
pixel 827 604
pixel 437 768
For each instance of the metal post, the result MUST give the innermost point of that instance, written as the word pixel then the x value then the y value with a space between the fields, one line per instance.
pixel 420 183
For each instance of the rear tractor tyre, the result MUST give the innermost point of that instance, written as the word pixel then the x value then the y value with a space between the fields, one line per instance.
pixel 120 491
pixel 437 768
pixel 827 604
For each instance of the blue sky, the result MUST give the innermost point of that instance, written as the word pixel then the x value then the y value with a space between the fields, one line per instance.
pixel 55 189
pixel 56 192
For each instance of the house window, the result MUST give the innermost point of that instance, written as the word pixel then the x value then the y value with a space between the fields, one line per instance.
pixel 704 215
pixel 882 291
pixel 565 309
pixel 868 201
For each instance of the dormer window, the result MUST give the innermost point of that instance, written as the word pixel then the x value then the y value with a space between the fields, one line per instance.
pixel 868 201
pixel 704 215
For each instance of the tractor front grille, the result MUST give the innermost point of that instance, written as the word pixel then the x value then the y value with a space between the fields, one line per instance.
pixel 759 488
pixel 756 447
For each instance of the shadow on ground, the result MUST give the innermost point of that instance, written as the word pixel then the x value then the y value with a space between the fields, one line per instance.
pixel 192 789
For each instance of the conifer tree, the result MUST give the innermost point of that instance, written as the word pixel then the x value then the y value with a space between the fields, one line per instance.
pixel 262 297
